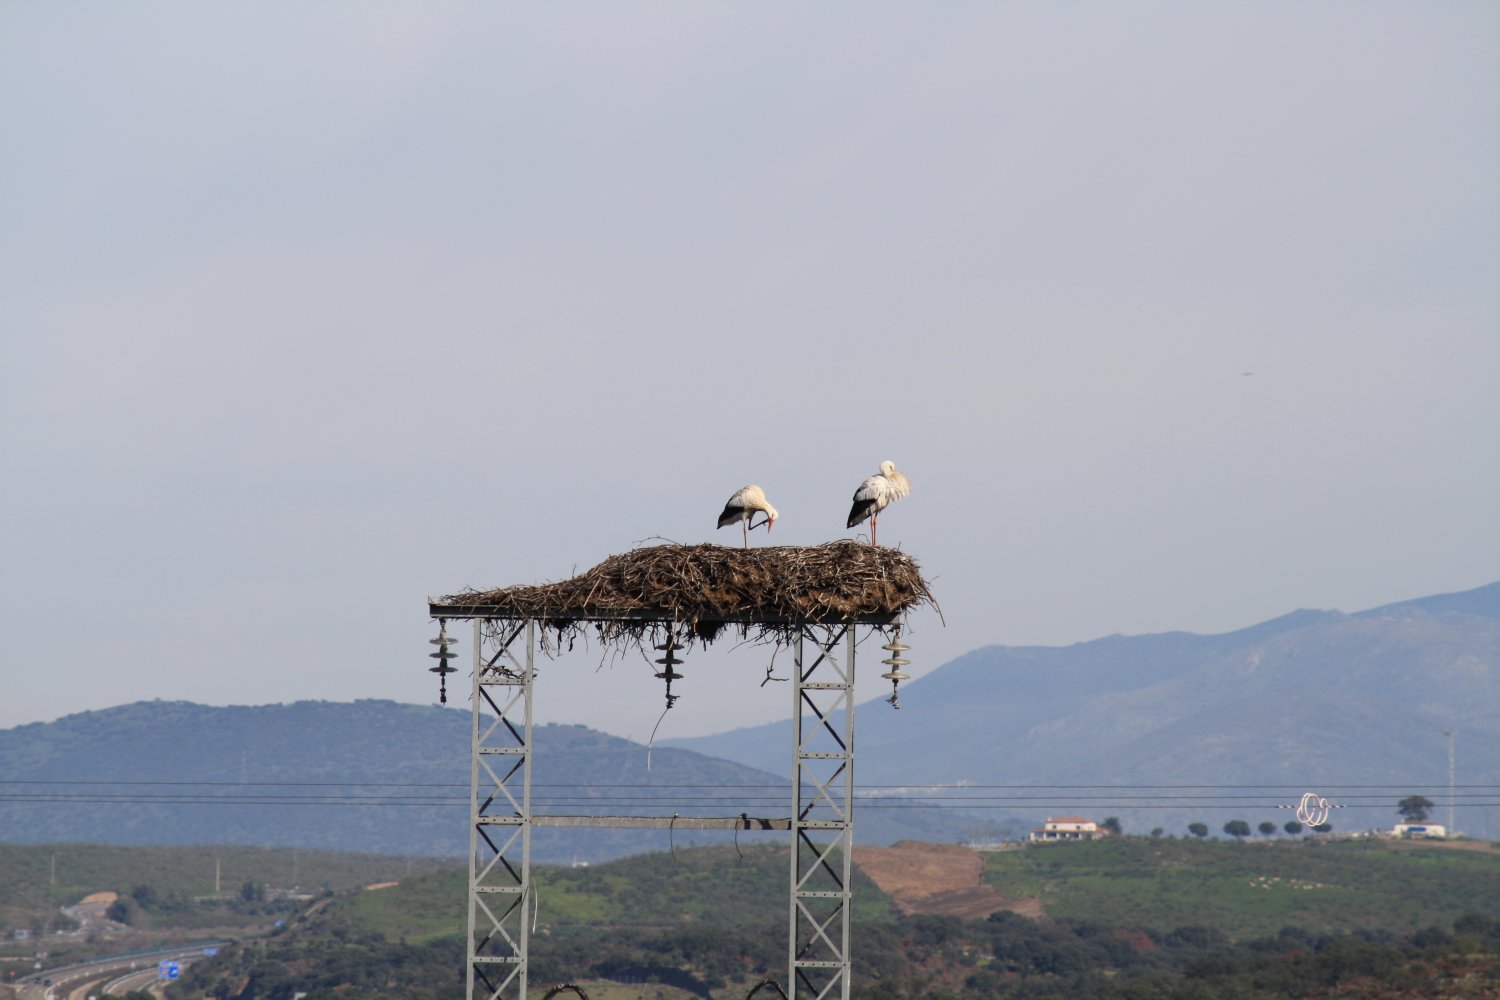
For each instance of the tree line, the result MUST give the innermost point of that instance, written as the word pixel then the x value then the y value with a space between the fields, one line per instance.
pixel 1413 809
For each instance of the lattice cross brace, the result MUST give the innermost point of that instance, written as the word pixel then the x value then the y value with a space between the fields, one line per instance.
pixel 819 929
pixel 500 786
pixel 482 874
pixel 495 991
pixel 827 653
pixel 838 977
pixel 503 715
pixel 840 701
pixel 821 792
pixel 820 859
pixel 493 664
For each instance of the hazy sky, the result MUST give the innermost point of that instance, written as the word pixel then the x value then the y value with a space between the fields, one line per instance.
pixel 308 311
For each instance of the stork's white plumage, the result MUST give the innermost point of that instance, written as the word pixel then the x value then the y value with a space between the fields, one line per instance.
pixel 743 506
pixel 876 494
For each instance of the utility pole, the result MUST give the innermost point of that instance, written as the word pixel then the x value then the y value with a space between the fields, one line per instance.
pixel 1449 734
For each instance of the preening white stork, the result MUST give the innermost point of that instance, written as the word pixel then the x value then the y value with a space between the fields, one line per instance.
pixel 876 494
pixel 743 506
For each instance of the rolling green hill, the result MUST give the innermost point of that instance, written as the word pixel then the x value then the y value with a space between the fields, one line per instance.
pixel 1156 884
pixel 714 886
pixel 1251 889
pixel 178 887
pixel 368 776
pixel 1242 889
pixel 1127 918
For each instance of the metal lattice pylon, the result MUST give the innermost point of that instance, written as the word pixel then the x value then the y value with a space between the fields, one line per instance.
pixel 501 897
pixel 822 812
pixel 500 893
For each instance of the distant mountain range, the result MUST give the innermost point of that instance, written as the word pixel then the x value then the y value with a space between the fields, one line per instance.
pixel 1175 728
pixel 1314 700
pixel 369 776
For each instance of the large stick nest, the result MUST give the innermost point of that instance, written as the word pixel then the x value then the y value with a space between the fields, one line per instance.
pixel 769 591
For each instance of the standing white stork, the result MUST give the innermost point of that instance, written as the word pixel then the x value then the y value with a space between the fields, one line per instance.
pixel 742 507
pixel 876 494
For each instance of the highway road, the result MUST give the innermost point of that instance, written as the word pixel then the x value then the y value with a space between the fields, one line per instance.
pixel 79 982
pixel 146 979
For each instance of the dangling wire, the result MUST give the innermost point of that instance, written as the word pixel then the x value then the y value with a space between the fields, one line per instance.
pixel 651 743
pixel 668 673
pixel 560 987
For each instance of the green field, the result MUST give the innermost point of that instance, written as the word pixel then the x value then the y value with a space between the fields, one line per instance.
pixel 1251 889
pixel 37 880
pixel 1205 916
pixel 1242 889
pixel 707 885
pixel 1130 918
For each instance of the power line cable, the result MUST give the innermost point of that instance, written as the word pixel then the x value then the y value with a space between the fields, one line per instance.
pixel 920 786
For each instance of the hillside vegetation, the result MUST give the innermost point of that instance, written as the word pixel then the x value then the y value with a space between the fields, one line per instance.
pixel 709 886
pixel 1129 918
pixel 62 873
pixel 1252 889
pixel 173 888
pixel 1240 890
pixel 708 923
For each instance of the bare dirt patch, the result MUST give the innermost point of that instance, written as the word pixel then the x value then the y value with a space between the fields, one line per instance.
pixel 941 879
pixel 1466 844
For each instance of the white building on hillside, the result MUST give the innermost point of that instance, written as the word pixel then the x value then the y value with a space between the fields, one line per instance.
pixel 1067 828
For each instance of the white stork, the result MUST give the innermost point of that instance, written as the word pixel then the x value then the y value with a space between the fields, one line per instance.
pixel 742 507
pixel 876 494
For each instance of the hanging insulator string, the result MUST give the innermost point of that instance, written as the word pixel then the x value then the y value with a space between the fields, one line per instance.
pixel 443 655
pixel 895 662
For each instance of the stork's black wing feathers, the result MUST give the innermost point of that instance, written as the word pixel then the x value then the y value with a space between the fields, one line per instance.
pixel 861 510
pixel 732 514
